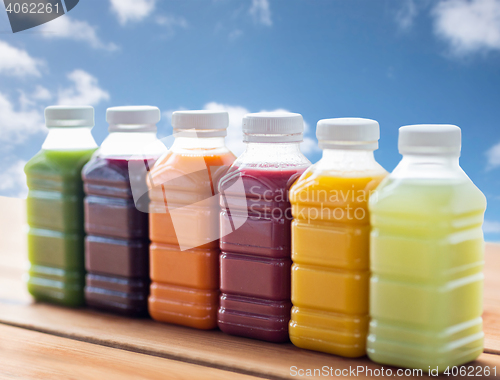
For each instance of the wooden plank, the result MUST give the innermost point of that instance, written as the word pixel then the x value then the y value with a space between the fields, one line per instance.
pixel 209 348
pixel 491 299
pixel 33 355
pixel 13 242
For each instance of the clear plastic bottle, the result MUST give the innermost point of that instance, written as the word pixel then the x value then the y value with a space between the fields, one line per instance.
pixel 117 245
pixel 55 206
pixel 330 239
pixel 427 256
pixel 255 228
pixel 184 220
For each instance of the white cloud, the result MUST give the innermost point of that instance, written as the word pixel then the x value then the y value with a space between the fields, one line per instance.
pixel 468 26
pixel 309 144
pixel 41 93
pixel 132 10
pixel 491 227
pixel 493 156
pixel 406 14
pixel 168 114
pixel 13 180
pixel 261 12
pixel 27 101
pixel 171 22
pixel 17 125
pixel 66 27
pixel 234 139
pixel 165 129
pixel 235 34
pixel 18 62
pixel 30 101
pixel 84 91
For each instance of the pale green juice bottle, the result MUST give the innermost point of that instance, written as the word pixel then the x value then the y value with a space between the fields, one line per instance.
pixel 426 255
pixel 55 206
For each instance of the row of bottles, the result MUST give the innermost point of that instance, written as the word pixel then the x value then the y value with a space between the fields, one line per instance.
pixel 338 257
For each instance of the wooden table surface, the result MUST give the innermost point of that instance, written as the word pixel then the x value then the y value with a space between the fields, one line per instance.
pixel 41 341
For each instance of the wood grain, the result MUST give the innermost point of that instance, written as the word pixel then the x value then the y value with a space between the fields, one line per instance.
pixel 491 299
pixel 13 242
pixel 207 348
pixel 32 355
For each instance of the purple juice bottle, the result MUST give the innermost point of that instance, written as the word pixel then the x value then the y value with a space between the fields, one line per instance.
pixel 255 228
pixel 117 242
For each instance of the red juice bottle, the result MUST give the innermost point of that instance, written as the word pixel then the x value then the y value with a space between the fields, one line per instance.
pixel 255 228
pixel 117 244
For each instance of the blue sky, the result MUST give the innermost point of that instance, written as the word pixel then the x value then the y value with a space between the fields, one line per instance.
pixel 397 61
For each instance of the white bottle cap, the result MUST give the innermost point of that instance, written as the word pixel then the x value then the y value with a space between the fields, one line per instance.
pixel 430 139
pixel 201 123
pixel 348 133
pixel 69 116
pixel 133 118
pixel 273 127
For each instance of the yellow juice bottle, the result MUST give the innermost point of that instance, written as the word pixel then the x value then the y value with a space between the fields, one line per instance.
pixel 426 256
pixel 330 239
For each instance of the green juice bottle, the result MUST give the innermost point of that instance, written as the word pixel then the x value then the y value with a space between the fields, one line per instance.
pixel 55 206
pixel 426 256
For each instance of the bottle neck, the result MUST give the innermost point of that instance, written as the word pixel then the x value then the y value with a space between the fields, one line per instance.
pixel 69 138
pixel 350 162
pixel 195 144
pixel 428 166
pixel 340 155
pixel 273 155
pixel 128 144
pixel 280 148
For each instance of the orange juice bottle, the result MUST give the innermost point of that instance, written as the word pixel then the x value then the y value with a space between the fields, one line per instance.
pixel 184 221
pixel 330 239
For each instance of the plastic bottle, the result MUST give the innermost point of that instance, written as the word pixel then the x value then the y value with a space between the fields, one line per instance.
pixel 427 256
pixel 330 239
pixel 256 258
pixel 55 206
pixel 184 220
pixel 117 245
